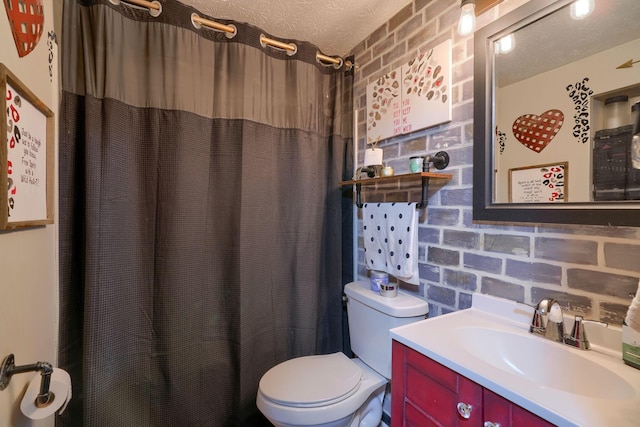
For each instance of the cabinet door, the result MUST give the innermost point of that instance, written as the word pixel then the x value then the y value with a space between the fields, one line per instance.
pixel 496 409
pixel 414 417
pixel 522 418
pixel 430 394
pixel 499 410
pixel 398 393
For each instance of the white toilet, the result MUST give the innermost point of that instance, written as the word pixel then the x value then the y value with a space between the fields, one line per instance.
pixel 332 390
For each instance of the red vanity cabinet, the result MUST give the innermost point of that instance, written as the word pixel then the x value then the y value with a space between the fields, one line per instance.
pixel 425 393
pixel 502 412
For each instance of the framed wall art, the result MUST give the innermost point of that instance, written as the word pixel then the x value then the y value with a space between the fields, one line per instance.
pixel 27 155
pixel 414 96
pixel 540 183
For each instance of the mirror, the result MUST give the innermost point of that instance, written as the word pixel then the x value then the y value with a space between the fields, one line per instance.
pixel 553 116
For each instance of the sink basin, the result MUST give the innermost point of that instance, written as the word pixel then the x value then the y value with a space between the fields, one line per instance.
pixel 490 344
pixel 545 363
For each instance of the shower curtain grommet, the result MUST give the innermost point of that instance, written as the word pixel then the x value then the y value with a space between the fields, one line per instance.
pixel 196 24
pixel 229 30
pixel 153 7
pixel 290 48
pixel 294 51
pixel 328 61
pixel 155 12
pixel 233 34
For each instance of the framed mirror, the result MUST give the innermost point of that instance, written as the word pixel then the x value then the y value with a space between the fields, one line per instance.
pixel 555 85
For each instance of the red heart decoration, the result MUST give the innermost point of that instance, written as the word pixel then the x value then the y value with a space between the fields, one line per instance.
pixel 26 18
pixel 536 132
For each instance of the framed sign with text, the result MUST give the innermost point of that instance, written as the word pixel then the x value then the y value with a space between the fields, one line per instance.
pixel 539 184
pixel 27 156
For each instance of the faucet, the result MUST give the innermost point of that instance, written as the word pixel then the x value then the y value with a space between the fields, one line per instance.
pixel 548 322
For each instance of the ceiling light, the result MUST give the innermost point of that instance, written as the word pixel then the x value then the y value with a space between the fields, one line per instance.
pixel 467 22
pixel 580 9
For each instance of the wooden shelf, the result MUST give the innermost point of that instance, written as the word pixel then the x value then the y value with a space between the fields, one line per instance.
pixel 425 177
pixel 404 177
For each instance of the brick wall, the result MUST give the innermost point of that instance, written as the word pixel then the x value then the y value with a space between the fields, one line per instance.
pixel 590 270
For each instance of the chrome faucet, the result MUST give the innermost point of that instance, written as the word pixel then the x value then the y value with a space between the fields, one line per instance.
pixel 548 321
pixel 578 337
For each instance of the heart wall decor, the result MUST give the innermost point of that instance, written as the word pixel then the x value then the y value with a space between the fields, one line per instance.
pixel 26 19
pixel 536 132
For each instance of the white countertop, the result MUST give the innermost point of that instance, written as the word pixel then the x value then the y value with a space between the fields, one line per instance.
pixel 439 339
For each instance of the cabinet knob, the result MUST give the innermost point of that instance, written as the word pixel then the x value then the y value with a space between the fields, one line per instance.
pixel 464 409
pixel 491 424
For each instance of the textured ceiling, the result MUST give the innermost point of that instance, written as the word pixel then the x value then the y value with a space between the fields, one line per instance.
pixel 557 40
pixel 334 26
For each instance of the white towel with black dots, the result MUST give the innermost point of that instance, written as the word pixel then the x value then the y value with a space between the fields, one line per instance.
pixel 390 233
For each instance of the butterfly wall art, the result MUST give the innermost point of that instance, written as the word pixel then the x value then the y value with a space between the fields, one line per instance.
pixel 414 96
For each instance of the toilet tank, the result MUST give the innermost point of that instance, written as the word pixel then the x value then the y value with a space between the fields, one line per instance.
pixel 371 316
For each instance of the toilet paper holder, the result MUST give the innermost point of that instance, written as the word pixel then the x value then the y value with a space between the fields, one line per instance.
pixel 9 368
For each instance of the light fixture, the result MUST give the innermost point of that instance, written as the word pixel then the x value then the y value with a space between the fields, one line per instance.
pixel 467 22
pixel 580 9
pixel 505 44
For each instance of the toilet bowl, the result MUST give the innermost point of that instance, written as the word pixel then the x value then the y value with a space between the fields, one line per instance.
pixel 328 390
pixel 333 390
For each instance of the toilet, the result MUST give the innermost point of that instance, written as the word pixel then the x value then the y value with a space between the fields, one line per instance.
pixel 333 390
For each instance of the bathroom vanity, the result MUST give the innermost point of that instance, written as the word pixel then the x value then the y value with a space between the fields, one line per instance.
pixel 427 393
pixel 482 367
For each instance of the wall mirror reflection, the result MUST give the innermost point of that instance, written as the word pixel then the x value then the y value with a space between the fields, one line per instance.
pixel 557 91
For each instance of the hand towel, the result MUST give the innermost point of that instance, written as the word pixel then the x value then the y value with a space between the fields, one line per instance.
pixel 390 233
pixel 632 318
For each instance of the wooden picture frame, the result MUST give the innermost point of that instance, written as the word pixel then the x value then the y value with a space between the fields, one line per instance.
pixel 27 156
pixel 548 183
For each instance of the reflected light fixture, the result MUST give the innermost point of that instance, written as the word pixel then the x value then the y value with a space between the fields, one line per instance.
pixel 505 44
pixel 467 22
pixel 580 9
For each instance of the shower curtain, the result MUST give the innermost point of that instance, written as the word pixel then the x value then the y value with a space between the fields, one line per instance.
pixel 200 214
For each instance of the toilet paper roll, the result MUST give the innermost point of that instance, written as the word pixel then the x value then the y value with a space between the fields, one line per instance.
pixel 373 157
pixel 61 389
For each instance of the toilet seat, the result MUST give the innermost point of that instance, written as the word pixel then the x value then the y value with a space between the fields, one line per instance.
pixel 312 381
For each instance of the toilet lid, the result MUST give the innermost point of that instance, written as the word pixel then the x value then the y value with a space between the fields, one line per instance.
pixel 312 380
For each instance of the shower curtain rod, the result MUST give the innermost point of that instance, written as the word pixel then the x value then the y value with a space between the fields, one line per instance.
pixel 231 31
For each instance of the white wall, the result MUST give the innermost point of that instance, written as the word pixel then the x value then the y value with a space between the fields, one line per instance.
pixel 548 91
pixel 28 258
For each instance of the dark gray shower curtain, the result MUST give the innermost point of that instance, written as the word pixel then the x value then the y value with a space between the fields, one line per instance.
pixel 200 215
